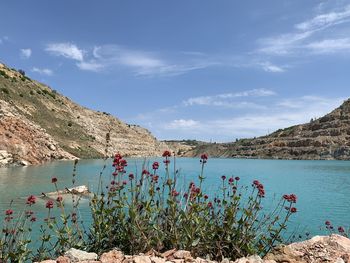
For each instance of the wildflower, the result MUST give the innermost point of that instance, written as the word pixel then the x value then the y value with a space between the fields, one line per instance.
pixel 204 158
pixel 256 183
pixel 292 198
pixel 9 212
pixel 59 199
pixel 185 195
pixel 54 180
pixel 237 178
pixel 29 213
pixel 49 204
pixel 145 172
pixel 231 180
pixel 293 210
pixel 113 182
pixel 131 176
pixel 174 193
pixel 210 204
pixel 33 219
pixel 155 165
pixel 223 177
pixel 155 178
pixel 341 229
pixel 206 197
pixel 327 223
pixel 31 200
pixel 166 154
pixel 125 182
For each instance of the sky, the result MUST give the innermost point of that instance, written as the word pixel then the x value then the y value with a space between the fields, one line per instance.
pixel 199 69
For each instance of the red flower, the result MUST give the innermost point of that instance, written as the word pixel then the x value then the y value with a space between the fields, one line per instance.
pixel 256 183
pixel 9 212
pixel 155 178
pixel 59 199
pixel 33 219
pixel 125 182
pixel 341 229
pixel 231 180
pixel 166 154
pixel 327 223
pixel 131 176
pixel 155 165
pixel 204 156
pixel 54 180
pixel 223 177
pixel 292 198
pixel 210 204
pixel 293 210
pixel 31 200
pixel 174 193
pixel 49 204
pixel 237 178
pixel 205 197
pixel 145 172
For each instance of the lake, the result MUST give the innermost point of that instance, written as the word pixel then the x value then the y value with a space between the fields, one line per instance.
pixel 322 187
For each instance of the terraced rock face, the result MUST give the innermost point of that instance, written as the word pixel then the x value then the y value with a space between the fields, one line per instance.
pixel 326 138
pixel 38 124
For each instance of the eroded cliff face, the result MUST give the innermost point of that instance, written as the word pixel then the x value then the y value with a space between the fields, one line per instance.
pixel 38 124
pixel 326 138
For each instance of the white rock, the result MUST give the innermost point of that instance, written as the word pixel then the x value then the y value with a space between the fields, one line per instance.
pixel 76 255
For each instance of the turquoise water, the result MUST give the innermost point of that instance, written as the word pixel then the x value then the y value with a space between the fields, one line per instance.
pixel 322 187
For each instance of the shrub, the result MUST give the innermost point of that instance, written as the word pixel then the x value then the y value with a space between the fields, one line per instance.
pixel 5 90
pixel 139 212
pixel 22 72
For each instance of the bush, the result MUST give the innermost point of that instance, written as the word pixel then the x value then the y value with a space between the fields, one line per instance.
pixel 147 212
pixel 5 90
pixel 22 72
pixel 139 212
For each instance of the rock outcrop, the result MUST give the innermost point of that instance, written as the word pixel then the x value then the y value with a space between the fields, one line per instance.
pixel 332 249
pixel 326 138
pixel 38 124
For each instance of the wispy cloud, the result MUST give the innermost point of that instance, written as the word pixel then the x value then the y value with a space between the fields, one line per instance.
pixel 25 53
pixel 139 62
pixel 146 63
pixel 67 50
pixel 43 71
pixel 308 36
pixel 279 112
pixel 269 67
pixel 228 99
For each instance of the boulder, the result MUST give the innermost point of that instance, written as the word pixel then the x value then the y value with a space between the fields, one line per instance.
pixel 76 255
pixel 333 248
pixel 114 256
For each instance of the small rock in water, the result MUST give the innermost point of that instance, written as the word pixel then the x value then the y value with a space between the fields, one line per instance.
pixel 76 255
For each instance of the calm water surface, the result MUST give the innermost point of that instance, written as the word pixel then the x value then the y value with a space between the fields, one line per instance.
pixel 322 187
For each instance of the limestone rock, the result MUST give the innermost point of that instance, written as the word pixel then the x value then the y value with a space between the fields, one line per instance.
pixel 157 260
pixel 142 259
pixel 114 256
pixel 63 260
pixel 182 254
pixel 76 255
pixel 334 248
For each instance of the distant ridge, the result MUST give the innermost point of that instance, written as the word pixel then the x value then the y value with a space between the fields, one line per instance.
pixel 38 124
pixel 326 138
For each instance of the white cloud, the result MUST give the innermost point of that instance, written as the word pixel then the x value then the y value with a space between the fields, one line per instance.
pixel 227 125
pixel 67 50
pixel 90 66
pixel 325 20
pixel 182 124
pixel 145 63
pixel 330 45
pixel 268 67
pixel 43 71
pixel 26 53
pixel 228 99
pixel 309 36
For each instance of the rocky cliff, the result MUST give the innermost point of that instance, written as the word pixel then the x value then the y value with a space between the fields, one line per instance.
pixel 326 138
pixel 38 124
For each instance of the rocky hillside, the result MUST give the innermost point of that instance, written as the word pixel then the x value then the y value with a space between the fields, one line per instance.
pixel 326 138
pixel 38 124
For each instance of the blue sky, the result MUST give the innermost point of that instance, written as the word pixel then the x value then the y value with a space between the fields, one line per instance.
pixel 207 70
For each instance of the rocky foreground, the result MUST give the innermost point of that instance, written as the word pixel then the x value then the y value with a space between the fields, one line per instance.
pixel 332 249
pixel 37 124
